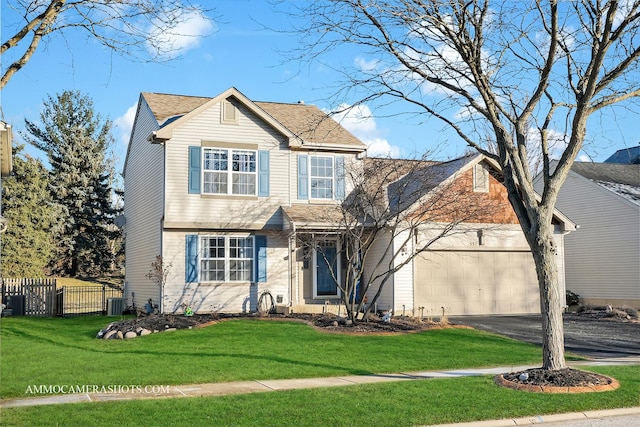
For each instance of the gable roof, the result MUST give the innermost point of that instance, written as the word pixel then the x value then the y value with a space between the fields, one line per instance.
pixel 422 179
pixel 621 179
pixel 628 156
pixel 312 125
pixel 164 106
pixel 304 125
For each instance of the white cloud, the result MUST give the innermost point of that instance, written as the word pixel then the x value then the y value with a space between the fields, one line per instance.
pixel 360 122
pixel 124 124
pixel 185 35
pixel 379 147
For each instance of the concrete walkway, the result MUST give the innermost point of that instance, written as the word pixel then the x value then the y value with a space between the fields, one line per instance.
pixel 243 387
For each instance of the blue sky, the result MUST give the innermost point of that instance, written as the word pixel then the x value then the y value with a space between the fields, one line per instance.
pixel 234 50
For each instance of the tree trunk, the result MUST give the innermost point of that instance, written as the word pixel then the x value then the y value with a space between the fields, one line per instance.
pixel 551 299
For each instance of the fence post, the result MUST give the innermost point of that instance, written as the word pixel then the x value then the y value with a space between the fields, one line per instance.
pixel 104 307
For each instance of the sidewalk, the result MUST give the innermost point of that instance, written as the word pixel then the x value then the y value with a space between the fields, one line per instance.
pixel 243 387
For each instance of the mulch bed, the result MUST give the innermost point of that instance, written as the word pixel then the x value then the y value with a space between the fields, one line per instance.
pixel 566 380
pixel 324 322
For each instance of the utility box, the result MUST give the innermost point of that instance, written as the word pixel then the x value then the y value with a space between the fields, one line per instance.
pixel 115 306
pixel 283 309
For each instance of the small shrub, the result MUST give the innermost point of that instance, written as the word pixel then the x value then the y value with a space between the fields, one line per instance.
pixel 572 298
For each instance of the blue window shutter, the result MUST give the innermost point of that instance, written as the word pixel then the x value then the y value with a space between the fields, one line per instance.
pixel 303 177
pixel 194 170
pixel 263 173
pixel 261 258
pixel 191 264
pixel 340 178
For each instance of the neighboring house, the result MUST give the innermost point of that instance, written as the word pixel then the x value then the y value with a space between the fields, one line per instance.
pixel 627 156
pixel 224 188
pixel 603 256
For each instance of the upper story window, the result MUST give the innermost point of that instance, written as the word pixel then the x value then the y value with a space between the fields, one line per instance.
pixel 321 177
pixel 228 171
pixel 480 179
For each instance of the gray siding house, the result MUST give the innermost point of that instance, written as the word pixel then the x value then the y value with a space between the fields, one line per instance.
pixel 603 255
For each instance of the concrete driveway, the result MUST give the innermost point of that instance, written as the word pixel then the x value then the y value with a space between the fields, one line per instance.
pixel 594 338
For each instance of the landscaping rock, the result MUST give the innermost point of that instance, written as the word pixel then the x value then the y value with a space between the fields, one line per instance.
pixel 120 335
pixel 110 334
pixel 130 335
pixel 144 332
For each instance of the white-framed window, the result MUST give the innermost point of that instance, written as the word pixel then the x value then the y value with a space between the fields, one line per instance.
pixel 212 258
pixel 229 171
pixel 226 258
pixel 480 179
pixel 321 177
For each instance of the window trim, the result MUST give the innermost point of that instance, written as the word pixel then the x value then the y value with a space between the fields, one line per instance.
pixel 229 171
pixel 333 177
pixel 227 257
pixel 484 188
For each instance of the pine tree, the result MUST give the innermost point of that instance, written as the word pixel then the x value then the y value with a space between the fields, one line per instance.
pixel 76 141
pixel 28 245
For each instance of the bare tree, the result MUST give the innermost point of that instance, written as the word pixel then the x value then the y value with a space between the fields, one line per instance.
pixel 393 201
pixel 136 28
pixel 158 274
pixel 528 74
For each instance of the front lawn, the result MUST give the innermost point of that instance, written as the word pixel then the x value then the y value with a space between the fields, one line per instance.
pixel 60 352
pixel 54 351
pixel 406 403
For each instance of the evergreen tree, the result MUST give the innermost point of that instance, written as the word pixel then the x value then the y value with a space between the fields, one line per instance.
pixel 76 141
pixel 28 245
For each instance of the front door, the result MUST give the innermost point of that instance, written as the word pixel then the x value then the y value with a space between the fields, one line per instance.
pixel 326 267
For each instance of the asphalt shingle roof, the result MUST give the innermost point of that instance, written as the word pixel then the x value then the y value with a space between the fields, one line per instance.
pixel 164 106
pixel 307 122
pixel 628 156
pixel 622 179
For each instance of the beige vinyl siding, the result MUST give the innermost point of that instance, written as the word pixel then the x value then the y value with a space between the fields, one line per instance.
pixel 403 278
pixel 603 256
pixel 230 212
pixel 375 263
pixel 228 297
pixel 144 171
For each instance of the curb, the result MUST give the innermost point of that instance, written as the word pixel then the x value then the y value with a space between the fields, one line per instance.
pixel 541 419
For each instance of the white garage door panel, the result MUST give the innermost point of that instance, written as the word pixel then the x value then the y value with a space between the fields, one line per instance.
pixel 476 282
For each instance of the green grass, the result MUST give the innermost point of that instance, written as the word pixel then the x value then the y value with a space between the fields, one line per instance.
pixel 420 402
pixel 65 351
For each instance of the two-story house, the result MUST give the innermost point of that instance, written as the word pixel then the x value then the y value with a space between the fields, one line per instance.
pixel 206 183
pixel 222 188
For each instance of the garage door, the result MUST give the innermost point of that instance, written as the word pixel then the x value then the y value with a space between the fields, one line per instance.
pixel 476 282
